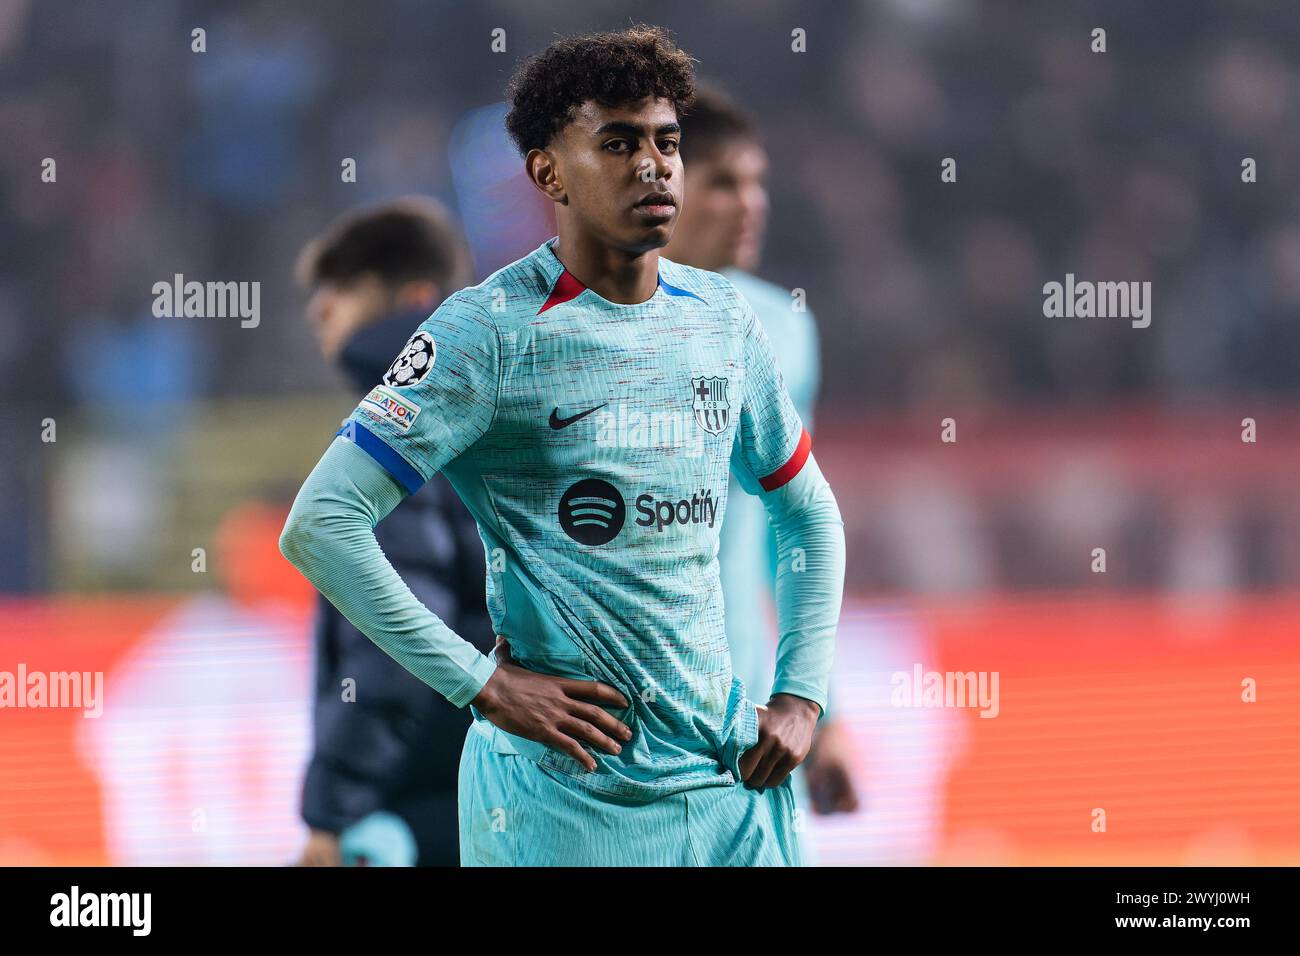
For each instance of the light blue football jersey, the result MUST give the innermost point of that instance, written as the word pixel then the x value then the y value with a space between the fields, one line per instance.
pixel 592 443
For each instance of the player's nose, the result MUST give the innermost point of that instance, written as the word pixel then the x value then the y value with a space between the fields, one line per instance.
pixel 662 164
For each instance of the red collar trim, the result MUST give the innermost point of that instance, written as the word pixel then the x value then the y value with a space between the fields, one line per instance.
pixel 566 287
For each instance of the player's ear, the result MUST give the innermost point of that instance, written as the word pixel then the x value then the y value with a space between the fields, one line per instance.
pixel 417 294
pixel 545 174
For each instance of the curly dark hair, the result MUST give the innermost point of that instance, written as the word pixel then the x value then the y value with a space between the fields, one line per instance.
pixel 611 68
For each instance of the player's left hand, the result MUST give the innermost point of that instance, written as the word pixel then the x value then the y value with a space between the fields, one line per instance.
pixel 785 735
pixel 322 849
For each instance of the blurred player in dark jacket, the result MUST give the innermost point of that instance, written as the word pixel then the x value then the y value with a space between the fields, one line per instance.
pixel 381 784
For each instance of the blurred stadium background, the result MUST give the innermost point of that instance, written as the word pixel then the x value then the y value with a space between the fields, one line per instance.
pixel 1119 690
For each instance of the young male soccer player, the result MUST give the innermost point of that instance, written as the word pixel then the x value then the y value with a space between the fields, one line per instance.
pixel 722 229
pixel 609 729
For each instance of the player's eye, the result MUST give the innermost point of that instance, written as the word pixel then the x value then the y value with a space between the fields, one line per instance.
pixel 619 146
pixel 668 146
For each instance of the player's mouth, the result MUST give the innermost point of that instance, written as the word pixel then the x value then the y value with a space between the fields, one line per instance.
pixel 657 205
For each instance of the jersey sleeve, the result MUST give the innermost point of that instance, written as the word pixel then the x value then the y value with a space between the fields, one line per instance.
pixel 771 444
pixel 437 398
pixel 330 537
pixel 772 458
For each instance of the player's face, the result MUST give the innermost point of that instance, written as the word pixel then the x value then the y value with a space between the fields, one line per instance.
pixel 727 218
pixel 621 174
pixel 337 310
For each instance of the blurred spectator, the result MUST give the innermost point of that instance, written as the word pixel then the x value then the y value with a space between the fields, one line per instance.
pixel 386 754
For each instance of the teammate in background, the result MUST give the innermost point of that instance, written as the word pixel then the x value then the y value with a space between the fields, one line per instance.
pixel 609 728
pixel 721 228
pixel 381 781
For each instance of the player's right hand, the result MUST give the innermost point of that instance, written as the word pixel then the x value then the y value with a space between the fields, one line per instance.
pixel 552 710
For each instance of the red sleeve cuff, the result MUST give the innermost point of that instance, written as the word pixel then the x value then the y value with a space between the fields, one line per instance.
pixel 792 467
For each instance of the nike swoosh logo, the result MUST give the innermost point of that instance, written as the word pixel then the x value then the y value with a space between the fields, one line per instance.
pixel 557 422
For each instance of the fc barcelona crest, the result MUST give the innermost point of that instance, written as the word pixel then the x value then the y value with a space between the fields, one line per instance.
pixel 712 410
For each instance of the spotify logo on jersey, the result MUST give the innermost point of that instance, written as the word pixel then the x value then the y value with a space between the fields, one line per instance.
pixel 592 511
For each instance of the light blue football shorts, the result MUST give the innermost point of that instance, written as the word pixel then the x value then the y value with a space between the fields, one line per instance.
pixel 514 812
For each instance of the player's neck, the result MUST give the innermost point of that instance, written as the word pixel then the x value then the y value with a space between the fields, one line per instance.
pixel 613 274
